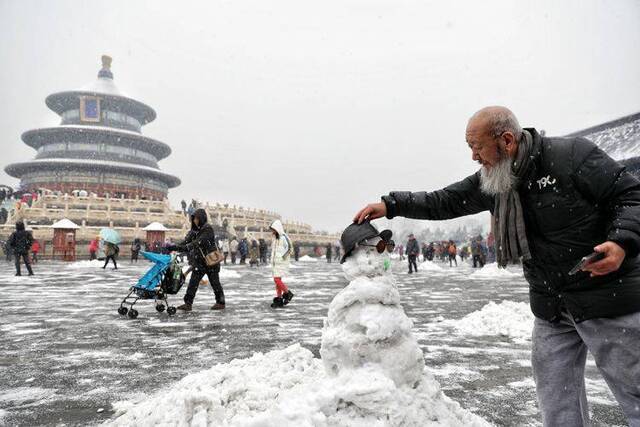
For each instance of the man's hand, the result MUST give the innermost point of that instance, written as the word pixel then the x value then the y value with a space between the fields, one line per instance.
pixel 614 255
pixel 370 212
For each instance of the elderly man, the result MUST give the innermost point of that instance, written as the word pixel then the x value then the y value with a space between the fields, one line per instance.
pixel 555 200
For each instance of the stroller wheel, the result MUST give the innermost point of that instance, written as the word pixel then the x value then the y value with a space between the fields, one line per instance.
pixel 122 311
pixel 171 311
pixel 159 308
pixel 133 313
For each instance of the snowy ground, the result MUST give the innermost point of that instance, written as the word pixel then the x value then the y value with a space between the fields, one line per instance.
pixel 67 356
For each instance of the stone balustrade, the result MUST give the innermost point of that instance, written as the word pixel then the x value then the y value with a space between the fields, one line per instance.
pixel 129 216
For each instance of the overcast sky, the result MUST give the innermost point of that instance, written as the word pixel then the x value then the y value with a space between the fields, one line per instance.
pixel 313 109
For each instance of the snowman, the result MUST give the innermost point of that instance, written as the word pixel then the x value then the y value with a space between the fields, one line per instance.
pixel 366 329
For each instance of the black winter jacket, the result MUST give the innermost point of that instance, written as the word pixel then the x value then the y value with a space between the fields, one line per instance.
pixel 20 240
pixel 199 241
pixel 574 197
pixel 412 247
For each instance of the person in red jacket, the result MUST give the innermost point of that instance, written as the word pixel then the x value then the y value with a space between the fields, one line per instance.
pixel 35 248
pixel 93 249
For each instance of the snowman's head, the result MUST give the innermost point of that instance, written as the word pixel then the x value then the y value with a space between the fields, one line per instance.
pixel 366 261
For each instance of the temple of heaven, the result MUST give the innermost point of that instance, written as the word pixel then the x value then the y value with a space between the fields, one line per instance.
pixel 98 146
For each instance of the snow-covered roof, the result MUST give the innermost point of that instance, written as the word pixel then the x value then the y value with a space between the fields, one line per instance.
pixel 103 85
pixel 65 224
pixel 60 102
pixel 619 138
pixel 39 136
pixel 18 169
pixel 155 226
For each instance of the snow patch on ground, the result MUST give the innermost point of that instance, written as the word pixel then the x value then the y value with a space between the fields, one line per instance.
pixel 289 388
pixel 508 318
pixel 94 263
pixel 429 266
pixel 229 274
pixel 492 271
pixel 21 395
pixel 307 258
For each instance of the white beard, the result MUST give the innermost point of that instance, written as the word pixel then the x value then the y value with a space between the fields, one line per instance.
pixel 497 179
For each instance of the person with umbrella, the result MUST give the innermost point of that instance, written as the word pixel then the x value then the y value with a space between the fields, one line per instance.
pixel 111 238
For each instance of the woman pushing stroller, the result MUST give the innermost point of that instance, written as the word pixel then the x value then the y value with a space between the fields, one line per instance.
pixel 199 242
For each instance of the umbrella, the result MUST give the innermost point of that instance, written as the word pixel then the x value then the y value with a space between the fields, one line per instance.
pixel 110 235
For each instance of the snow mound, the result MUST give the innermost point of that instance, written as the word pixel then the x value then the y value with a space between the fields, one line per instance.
pixel 307 258
pixel 229 274
pixel 508 318
pixel 429 266
pixel 94 263
pixel 492 271
pixel 289 388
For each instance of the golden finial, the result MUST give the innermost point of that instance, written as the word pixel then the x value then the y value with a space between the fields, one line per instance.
pixel 106 62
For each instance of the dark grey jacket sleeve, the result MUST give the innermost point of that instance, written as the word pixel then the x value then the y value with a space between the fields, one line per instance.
pixel 459 199
pixel 606 183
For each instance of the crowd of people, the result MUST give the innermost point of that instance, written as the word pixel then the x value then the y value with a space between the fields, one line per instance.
pixel 478 250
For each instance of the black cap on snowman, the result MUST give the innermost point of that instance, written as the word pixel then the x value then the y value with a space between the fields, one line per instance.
pixel 356 234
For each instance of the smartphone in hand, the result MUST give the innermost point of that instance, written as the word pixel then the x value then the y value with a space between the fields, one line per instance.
pixel 595 256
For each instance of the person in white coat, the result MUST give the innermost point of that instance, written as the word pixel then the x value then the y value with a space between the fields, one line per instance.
pixel 233 249
pixel 281 250
pixel 224 247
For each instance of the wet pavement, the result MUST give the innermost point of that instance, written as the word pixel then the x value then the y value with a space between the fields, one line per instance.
pixel 67 355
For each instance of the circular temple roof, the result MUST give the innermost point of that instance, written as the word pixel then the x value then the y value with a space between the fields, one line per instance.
pixel 36 138
pixel 70 100
pixel 105 88
pixel 19 169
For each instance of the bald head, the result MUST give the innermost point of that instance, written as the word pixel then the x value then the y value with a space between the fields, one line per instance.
pixel 495 121
pixel 493 134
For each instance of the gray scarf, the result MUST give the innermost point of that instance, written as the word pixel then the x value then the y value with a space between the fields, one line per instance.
pixel 508 222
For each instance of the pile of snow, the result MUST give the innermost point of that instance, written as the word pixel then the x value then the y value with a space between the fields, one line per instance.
pixel 94 263
pixel 492 271
pixel 508 318
pixel 289 387
pixel 429 266
pixel 307 258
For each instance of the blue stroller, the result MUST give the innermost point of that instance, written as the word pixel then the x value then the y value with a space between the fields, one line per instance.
pixel 164 278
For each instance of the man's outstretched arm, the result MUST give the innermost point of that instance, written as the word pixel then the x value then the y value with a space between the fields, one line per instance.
pixel 459 199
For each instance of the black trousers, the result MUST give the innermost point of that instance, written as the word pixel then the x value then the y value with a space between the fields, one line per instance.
pixel 477 260
pixel 452 258
pixel 25 257
pixel 112 258
pixel 412 263
pixel 214 281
